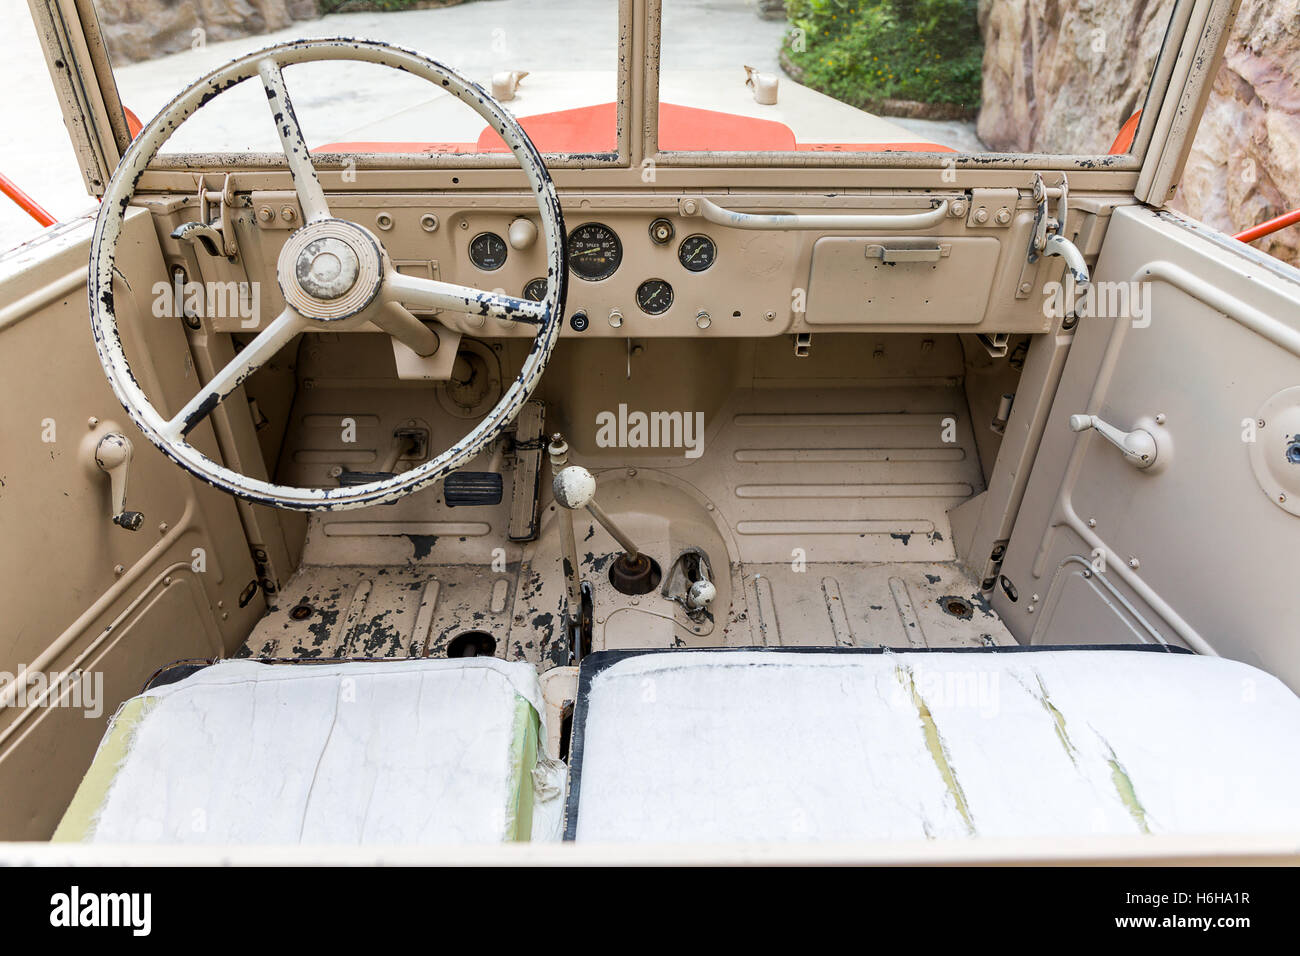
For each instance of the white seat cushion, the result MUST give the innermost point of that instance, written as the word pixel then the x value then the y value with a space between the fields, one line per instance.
pixel 760 745
pixel 401 752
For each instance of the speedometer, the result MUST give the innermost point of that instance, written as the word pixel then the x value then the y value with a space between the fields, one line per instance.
pixel 594 251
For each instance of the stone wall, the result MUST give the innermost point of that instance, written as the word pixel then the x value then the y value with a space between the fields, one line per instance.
pixel 1063 76
pixel 143 29
pixel 1244 167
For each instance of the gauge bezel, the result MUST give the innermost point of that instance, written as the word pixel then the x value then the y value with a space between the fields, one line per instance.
pixel 618 252
pixel 479 266
pixel 672 295
pixel 697 235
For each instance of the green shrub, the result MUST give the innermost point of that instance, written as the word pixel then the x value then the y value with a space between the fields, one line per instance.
pixel 864 51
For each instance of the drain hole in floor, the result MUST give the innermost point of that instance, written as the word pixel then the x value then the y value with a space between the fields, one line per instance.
pixel 957 607
pixel 472 644
pixel 301 612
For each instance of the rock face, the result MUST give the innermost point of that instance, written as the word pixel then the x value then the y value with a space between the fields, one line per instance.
pixel 1062 76
pixel 143 29
pixel 1244 167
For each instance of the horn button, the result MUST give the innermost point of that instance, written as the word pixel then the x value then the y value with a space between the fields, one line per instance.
pixel 330 270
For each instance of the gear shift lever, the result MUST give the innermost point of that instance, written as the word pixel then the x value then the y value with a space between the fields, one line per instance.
pixel 633 572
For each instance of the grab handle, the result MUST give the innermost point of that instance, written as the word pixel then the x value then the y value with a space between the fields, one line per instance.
pixel 711 211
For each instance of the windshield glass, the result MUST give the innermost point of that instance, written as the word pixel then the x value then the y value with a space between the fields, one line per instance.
pixel 862 76
pixel 545 60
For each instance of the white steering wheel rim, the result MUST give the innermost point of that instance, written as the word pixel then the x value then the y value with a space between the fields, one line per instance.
pixel 121 190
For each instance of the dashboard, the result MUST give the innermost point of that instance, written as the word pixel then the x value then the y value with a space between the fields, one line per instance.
pixel 639 266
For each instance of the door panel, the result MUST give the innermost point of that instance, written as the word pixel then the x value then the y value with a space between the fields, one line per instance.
pixel 80 593
pixel 1192 551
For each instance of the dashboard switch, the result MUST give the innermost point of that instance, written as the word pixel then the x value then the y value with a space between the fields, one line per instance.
pixel 579 321
pixel 616 318
pixel 702 319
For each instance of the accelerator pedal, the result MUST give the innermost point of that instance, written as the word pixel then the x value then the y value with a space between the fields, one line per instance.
pixel 462 489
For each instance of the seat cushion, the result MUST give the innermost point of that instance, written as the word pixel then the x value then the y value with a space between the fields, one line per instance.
pixel 409 752
pixel 723 746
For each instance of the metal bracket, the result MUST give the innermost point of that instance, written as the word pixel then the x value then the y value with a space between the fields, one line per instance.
pixel 802 344
pixel 213 232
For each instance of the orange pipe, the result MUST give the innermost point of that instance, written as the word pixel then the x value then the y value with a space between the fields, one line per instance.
pixel 1273 225
pixel 28 204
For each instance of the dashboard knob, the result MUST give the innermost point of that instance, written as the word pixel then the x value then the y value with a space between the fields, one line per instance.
pixel 578 321
pixel 616 318
pixel 522 233
pixel 702 319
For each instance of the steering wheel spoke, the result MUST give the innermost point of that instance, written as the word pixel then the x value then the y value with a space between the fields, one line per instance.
pixel 310 194
pixel 252 357
pixel 420 293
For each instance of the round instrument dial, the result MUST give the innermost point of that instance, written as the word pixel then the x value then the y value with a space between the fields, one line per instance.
pixel 594 251
pixel 654 296
pixel 488 251
pixel 536 290
pixel 697 253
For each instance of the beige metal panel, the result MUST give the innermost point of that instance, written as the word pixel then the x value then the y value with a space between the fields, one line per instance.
pixel 901 280
pixel 1193 547
pixel 1281 849
pixel 80 591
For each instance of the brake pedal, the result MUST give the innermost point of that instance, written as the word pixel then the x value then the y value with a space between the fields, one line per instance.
pixel 465 488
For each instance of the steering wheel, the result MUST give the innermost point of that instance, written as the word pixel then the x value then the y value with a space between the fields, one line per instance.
pixel 334 275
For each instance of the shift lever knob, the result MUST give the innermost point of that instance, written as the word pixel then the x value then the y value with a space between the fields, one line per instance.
pixel 574 487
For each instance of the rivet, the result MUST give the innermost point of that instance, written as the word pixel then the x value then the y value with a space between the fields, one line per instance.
pixel 162 527
pixel 769 316
pixel 384 221
pixel 92 422
pixel 429 222
pixel 1026 288
pixel 1160 419
pixel 1030 609
pixel 1134 563
pixel 118 569
pixel 1092 522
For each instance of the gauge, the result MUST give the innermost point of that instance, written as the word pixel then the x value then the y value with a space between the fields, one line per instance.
pixel 487 250
pixel 536 290
pixel 654 296
pixel 594 251
pixel 697 252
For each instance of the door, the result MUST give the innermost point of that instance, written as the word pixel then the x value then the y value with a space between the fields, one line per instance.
pixel 1193 339
pixel 90 608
